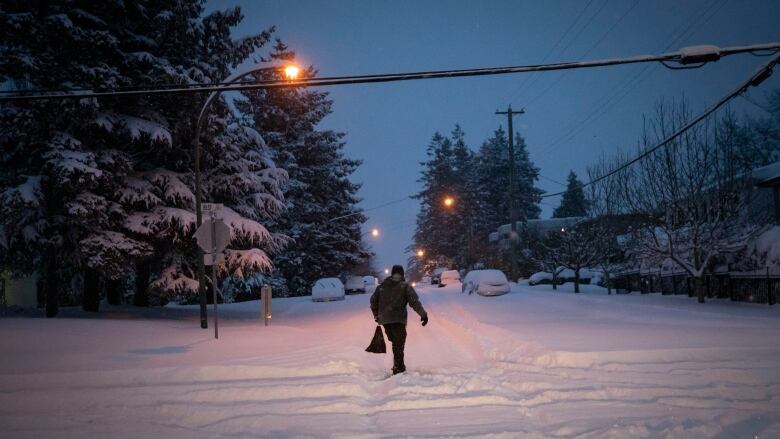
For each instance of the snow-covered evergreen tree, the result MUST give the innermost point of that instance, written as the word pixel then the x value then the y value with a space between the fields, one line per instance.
pixel 322 218
pixel 438 232
pixel 493 169
pixel 493 187
pixel 105 184
pixel 573 202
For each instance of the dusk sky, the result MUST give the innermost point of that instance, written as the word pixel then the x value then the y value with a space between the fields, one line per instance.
pixel 571 117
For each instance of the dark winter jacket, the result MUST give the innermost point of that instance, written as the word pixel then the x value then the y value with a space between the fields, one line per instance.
pixel 388 303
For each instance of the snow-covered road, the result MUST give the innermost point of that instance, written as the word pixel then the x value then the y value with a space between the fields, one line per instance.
pixel 529 364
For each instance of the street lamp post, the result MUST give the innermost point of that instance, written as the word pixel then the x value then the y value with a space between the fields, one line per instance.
pixel 291 72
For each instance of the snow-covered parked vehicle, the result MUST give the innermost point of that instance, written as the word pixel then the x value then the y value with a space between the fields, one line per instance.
pixel 540 278
pixel 327 289
pixel 370 282
pixel 449 277
pixel 436 275
pixel 563 275
pixel 355 285
pixel 485 283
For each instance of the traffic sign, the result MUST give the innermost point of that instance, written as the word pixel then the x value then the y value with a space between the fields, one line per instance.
pixel 213 235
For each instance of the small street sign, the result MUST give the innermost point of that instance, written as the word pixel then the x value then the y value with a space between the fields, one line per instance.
pixel 212 207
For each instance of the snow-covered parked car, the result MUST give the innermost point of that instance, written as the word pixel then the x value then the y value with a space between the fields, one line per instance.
pixel 355 285
pixel 370 282
pixel 539 278
pixel 564 275
pixel 449 277
pixel 485 283
pixel 436 275
pixel 327 289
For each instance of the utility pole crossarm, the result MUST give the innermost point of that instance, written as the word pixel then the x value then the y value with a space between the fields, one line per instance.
pixel 510 112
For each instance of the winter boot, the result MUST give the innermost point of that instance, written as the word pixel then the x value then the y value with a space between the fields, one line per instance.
pixel 398 363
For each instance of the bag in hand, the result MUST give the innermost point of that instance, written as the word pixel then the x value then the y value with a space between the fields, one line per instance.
pixel 377 345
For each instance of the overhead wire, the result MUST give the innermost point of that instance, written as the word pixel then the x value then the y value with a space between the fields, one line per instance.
pixel 393 77
pixel 621 92
pixel 754 81
pixel 531 79
pixel 746 97
pixel 389 203
pixel 590 49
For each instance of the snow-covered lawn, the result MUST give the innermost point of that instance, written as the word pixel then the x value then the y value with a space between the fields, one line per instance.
pixel 532 363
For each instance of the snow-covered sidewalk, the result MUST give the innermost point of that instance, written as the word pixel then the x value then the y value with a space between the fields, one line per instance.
pixel 533 363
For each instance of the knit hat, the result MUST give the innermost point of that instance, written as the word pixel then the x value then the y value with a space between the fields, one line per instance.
pixel 397 269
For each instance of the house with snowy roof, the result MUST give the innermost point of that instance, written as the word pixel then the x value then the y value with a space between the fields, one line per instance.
pixel 532 227
pixel 767 182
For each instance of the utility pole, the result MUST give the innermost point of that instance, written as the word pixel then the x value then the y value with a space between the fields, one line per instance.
pixel 512 206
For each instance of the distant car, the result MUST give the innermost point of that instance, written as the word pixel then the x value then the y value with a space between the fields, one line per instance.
pixel 355 285
pixel 449 277
pixel 485 283
pixel 562 276
pixel 540 278
pixel 370 283
pixel 327 289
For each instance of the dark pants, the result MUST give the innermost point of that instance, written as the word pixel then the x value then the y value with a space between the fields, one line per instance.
pixel 396 333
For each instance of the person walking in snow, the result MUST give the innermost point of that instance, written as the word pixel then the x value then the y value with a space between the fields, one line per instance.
pixel 388 303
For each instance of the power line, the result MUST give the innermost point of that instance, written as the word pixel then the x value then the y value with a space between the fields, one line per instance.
pixel 365 79
pixel 530 80
pixel 554 181
pixel 747 98
pixel 389 203
pixel 590 49
pixel 620 93
pixel 754 81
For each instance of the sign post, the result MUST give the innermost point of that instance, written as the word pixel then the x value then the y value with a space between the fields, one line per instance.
pixel 265 298
pixel 213 236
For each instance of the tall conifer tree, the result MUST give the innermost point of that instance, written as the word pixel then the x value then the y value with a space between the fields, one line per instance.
pixel 322 217
pixel 573 202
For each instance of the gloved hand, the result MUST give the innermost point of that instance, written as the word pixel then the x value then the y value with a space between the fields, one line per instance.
pixel 424 319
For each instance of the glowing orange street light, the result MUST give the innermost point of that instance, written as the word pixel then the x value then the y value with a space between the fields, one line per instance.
pixel 449 201
pixel 420 252
pixel 375 232
pixel 387 271
pixel 291 72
